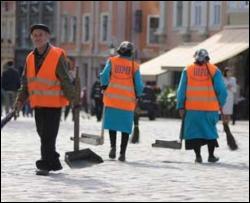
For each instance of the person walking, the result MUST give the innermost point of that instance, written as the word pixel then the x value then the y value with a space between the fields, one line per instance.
pixel 47 85
pixel 237 99
pixel 96 95
pixel 200 95
pixel 10 83
pixel 230 83
pixel 122 84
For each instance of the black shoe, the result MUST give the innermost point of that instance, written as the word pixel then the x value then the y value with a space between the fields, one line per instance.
pixel 112 153
pixel 42 172
pixel 213 159
pixel 198 160
pixel 122 157
pixel 56 166
pixel 42 165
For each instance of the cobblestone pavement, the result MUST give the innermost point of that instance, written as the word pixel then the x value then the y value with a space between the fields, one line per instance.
pixel 150 174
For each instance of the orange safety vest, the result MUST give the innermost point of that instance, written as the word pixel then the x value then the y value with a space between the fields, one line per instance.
pixel 44 87
pixel 200 93
pixel 120 93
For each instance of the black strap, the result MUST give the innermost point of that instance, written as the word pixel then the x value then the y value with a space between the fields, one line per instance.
pixel 214 88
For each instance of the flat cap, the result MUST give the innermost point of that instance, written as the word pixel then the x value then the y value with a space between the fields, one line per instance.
pixel 39 26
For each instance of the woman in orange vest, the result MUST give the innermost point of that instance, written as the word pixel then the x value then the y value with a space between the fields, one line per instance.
pixel 47 85
pixel 122 84
pixel 200 85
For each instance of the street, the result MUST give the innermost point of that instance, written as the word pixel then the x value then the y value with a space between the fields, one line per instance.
pixel 149 174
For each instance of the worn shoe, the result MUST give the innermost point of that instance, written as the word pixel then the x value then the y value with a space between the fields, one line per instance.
pixel 213 159
pixel 42 165
pixel 56 166
pixel 198 160
pixel 122 157
pixel 112 153
pixel 42 172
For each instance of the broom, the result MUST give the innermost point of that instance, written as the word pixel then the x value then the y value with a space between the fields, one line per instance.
pixel 136 132
pixel 230 138
pixel 7 118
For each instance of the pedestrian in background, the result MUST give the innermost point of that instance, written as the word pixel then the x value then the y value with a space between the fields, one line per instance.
pixel 122 84
pixel 230 83
pixel 96 95
pixel 200 94
pixel 10 84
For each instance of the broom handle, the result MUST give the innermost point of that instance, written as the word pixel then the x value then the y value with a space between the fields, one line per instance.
pixel 182 126
pixel 221 110
pixel 102 131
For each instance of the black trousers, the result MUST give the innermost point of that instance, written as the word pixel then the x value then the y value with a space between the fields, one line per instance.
pixel 98 108
pixel 124 141
pixel 47 125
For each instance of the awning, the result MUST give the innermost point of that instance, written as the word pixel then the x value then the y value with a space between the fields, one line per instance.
pixel 222 46
pixel 229 42
pixel 152 68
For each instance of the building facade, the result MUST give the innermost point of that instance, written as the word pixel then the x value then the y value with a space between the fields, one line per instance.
pixel 27 14
pixel 90 30
pixel 8 32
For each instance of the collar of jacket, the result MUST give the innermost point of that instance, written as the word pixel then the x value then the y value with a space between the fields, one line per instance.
pixel 44 52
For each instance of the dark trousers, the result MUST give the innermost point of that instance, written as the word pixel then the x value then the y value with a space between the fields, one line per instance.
pixel 47 125
pixel 235 113
pixel 98 108
pixel 124 141
pixel 210 147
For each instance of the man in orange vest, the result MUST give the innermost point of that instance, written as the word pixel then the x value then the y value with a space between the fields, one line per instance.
pixel 47 85
pixel 122 82
pixel 200 94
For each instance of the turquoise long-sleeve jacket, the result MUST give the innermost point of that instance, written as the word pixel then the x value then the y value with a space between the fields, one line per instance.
pixel 117 119
pixel 201 124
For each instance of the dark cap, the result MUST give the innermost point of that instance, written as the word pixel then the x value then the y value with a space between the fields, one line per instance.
pixel 39 26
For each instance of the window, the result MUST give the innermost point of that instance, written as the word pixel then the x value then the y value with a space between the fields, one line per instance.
pixel 11 31
pixel 6 6
pixel 197 13
pixel 86 28
pixel 179 13
pixel 238 5
pixel 215 13
pixel 138 21
pixel 3 29
pixel 243 4
pixel 72 29
pixel 232 4
pixel 153 25
pixel 23 33
pixel 64 29
pixel 104 27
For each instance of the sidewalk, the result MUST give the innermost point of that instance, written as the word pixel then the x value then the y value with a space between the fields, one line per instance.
pixel 150 174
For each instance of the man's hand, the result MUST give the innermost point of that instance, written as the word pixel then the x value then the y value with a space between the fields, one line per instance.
pixel 18 106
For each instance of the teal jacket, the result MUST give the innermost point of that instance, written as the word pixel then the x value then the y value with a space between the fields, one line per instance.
pixel 117 119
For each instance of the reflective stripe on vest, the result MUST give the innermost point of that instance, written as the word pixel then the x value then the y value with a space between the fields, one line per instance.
pixel 120 97
pixel 44 81
pixel 202 99
pixel 193 88
pixel 120 92
pixel 47 92
pixel 200 93
pixel 44 87
pixel 118 86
